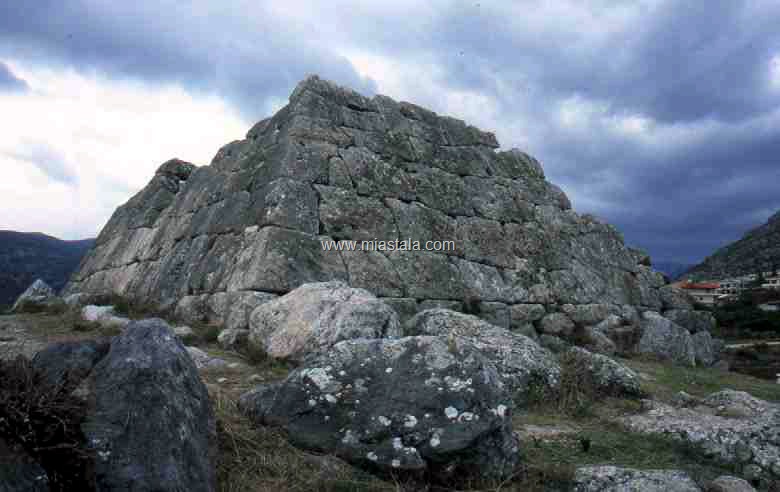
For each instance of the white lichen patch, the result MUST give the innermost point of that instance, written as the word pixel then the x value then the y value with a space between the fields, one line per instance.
pixel 410 421
pixel 499 411
pixel 384 421
pixel 321 379
pixel 372 456
pixel 456 384
pixel 451 413
pixel 389 370
pixel 349 438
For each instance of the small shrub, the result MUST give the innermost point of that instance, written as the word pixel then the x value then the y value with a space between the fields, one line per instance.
pixel 45 420
pixel 578 390
pixel 255 355
pixel 206 333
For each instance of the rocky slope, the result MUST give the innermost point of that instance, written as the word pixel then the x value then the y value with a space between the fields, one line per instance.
pixel 214 242
pixel 758 250
pixel 25 257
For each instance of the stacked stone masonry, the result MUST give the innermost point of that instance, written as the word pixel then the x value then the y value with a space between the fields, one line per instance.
pixel 214 242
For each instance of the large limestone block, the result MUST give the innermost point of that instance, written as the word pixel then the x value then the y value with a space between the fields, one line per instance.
pixel 521 362
pixel 314 317
pixel 664 339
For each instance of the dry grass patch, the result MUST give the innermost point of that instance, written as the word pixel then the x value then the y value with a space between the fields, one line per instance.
pixel 261 459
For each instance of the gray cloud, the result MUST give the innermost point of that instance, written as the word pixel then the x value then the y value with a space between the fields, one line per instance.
pixel 9 81
pixel 47 160
pixel 698 71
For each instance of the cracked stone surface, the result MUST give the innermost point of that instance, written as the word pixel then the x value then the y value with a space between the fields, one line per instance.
pixel 729 425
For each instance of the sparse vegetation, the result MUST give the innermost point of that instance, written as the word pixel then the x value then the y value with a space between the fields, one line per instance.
pixel 44 419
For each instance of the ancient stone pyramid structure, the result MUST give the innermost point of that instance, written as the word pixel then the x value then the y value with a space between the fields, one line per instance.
pixel 213 242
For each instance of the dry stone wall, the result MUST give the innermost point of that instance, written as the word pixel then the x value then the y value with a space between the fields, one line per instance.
pixel 214 242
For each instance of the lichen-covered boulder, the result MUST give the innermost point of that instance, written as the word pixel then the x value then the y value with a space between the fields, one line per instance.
pixel 521 362
pixel 731 426
pixel 150 422
pixel 415 405
pixel 609 376
pixel 37 297
pixel 666 340
pixel 616 479
pixel 314 317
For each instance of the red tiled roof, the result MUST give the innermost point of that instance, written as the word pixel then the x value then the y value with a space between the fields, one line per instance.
pixel 702 286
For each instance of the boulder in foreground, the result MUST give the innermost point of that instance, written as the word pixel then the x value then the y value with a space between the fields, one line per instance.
pixel 150 424
pixel 415 405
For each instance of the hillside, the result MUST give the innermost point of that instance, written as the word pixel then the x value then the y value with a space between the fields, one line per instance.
pixel 758 250
pixel 27 256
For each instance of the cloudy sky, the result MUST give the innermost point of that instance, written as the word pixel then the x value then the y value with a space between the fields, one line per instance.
pixel 661 116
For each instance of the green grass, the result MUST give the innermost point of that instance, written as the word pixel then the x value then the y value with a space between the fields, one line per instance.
pixel 612 445
pixel 666 380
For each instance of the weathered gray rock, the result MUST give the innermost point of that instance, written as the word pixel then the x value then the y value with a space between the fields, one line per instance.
pixel 730 484
pixel 520 361
pixel 615 479
pixel 314 317
pixel 203 360
pixel 553 343
pixel 151 424
pixel 693 321
pixel 104 315
pixel 664 339
pixel 609 376
pixel 37 297
pixel 557 324
pixel 233 339
pixel 69 362
pixel 589 314
pixel 704 348
pixel 210 242
pixel 183 332
pixel 598 342
pixel 675 298
pixel 522 314
pixel 730 426
pixel 410 405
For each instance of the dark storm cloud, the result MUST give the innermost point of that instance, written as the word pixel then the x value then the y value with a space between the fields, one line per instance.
pixel 48 161
pixel 201 46
pixel 698 72
pixel 9 81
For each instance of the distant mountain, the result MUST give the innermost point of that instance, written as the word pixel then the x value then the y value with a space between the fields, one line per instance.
pixel 670 268
pixel 25 257
pixel 758 250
